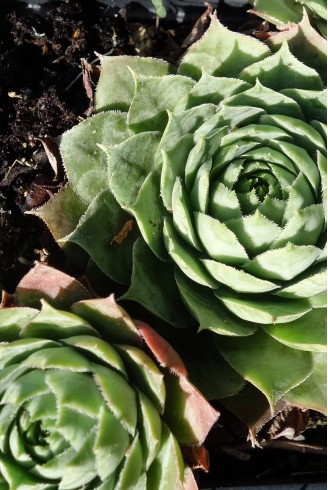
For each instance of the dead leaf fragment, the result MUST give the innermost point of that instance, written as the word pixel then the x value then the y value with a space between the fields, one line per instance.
pixel 122 234
pixel 196 457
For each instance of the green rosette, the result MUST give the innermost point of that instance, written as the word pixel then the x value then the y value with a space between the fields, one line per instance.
pixel 90 398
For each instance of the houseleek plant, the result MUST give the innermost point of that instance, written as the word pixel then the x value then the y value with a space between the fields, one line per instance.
pixel 90 398
pixel 203 189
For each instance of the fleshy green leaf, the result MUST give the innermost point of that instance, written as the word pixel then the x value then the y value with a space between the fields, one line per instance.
pixel 13 320
pixel 221 52
pixel 167 469
pixel 280 12
pixel 151 429
pixel 115 88
pixel 64 358
pixel 304 228
pixel 264 309
pixel 70 390
pixel 269 365
pixel 237 279
pixel 219 242
pixel 200 189
pixel 303 134
pixel 185 257
pixel 282 70
pixel 81 469
pixel 304 42
pixel 283 263
pixel 255 232
pixel 312 102
pixel 313 391
pixel 97 349
pixel 73 426
pixel 154 96
pixel 129 163
pixel 183 123
pixel 309 284
pixel 145 374
pixel 133 466
pixel 119 396
pixel 211 89
pixel 306 333
pixel 14 352
pixel 62 213
pixel 150 212
pixel 300 196
pixel 19 478
pixel 55 324
pixel 111 439
pixel 84 161
pixel 111 321
pixel 209 312
pixel 223 202
pixel 25 387
pixel 264 98
pixel 301 160
pixel 107 233
pixel 161 297
pixel 181 214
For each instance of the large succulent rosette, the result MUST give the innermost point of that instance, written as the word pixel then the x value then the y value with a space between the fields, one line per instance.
pixel 207 184
pixel 89 398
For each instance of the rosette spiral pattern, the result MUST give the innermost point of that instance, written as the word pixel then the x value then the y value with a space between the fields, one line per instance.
pixel 222 166
pixel 83 401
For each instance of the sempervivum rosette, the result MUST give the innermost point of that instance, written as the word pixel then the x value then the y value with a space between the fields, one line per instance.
pixel 208 184
pixel 89 398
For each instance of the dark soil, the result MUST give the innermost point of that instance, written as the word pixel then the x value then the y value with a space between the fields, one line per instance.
pixel 42 95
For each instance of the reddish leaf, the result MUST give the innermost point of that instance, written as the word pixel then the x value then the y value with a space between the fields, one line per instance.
pixel 57 288
pixel 189 482
pixel 7 300
pixel 162 350
pixel 187 412
pixel 196 457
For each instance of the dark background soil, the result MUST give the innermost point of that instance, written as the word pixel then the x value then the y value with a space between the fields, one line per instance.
pixel 42 95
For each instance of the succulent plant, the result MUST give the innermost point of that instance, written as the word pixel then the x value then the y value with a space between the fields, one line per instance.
pixel 282 12
pixel 208 184
pixel 90 398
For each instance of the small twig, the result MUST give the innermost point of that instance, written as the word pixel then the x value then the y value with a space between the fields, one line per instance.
pixel 300 447
pixel 80 74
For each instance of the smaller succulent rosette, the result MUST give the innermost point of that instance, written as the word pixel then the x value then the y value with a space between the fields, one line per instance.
pixel 89 398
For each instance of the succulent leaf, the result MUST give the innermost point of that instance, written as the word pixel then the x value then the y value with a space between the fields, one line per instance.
pixel 285 12
pixel 247 355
